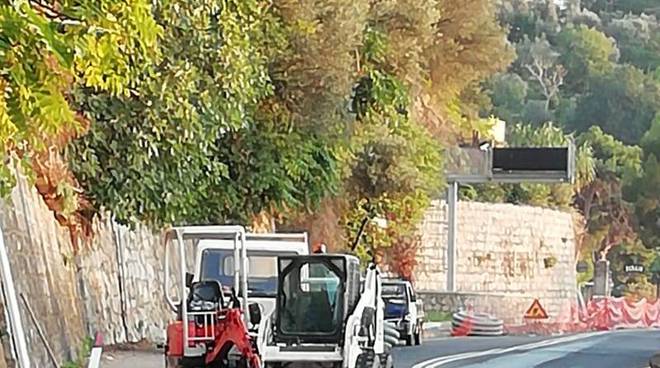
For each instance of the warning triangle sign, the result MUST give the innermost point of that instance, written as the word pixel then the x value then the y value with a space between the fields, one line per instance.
pixel 536 311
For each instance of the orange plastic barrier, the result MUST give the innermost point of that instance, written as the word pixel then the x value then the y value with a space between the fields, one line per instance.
pixel 601 314
pixel 619 313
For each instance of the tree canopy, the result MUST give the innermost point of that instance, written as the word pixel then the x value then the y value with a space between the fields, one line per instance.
pixel 48 51
pixel 323 113
pixel 608 100
pixel 207 111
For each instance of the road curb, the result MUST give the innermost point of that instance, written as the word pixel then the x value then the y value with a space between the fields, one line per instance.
pixel 437 329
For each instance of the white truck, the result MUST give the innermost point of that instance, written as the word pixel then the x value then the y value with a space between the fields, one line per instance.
pixel 214 260
pixel 404 310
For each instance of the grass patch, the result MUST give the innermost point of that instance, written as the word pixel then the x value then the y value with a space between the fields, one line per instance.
pixel 83 353
pixel 438 316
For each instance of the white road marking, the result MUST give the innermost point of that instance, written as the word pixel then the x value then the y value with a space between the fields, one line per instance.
pixel 440 361
pixel 535 357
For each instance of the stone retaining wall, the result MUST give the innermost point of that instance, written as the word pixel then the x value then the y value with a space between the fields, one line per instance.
pixel 508 307
pixel 114 286
pixel 505 258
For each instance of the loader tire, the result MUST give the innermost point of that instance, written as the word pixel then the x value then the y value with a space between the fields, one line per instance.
pixel 391 340
pixel 419 335
pixel 386 360
pixel 367 360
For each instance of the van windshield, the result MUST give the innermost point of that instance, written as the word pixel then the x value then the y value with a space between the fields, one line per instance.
pixel 218 264
pixel 394 291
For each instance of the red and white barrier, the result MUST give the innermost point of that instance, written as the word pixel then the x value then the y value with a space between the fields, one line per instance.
pixel 97 350
pixel 601 314
pixel 619 313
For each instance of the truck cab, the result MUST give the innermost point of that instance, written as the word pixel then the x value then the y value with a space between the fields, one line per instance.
pixel 403 309
pixel 214 260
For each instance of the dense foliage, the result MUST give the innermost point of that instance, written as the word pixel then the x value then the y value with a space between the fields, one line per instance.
pixel 591 67
pixel 212 111
pixel 323 113
pixel 46 50
pixel 193 145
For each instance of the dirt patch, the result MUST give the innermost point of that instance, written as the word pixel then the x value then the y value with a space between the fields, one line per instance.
pixel 143 346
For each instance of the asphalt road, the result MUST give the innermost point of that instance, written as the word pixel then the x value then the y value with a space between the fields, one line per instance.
pixel 619 349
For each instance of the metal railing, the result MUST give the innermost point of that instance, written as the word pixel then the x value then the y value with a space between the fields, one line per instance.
pixel 209 320
pixel 299 237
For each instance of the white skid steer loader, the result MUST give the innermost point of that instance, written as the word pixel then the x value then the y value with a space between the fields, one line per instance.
pixel 326 316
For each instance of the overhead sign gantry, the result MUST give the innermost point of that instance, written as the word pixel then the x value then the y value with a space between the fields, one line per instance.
pixel 485 164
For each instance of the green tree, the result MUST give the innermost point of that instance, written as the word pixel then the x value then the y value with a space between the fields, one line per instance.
pixel 317 92
pixel 646 189
pixel 625 6
pixel 585 53
pixel 207 140
pixel 508 93
pixel 637 6
pixel 623 103
pixel 612 155
pixel 395 174
pixel 610 218
pixel 469 52
pixel 416 68
pixel 638 37
pixel 46 50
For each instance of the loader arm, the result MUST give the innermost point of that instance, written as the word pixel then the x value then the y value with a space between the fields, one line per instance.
pixel 365 326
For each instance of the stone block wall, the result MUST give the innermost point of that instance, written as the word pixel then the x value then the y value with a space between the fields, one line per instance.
pixel 114 286
pixel 44 273
pixel 121 276
pixel 503 250
pixel 506 306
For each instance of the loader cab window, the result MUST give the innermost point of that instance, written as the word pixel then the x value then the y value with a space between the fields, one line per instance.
pixel 311 297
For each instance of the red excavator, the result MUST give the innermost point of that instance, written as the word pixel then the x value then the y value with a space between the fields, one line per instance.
pixel 211 325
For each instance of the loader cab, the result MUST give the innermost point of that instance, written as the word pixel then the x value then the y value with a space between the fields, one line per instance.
pixel 315 295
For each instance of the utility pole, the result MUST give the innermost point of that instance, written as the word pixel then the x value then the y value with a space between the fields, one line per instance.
pixel 452 226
